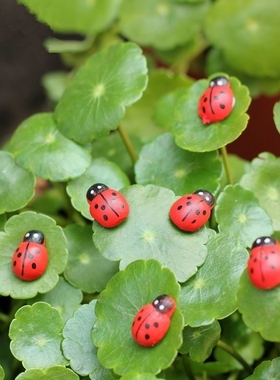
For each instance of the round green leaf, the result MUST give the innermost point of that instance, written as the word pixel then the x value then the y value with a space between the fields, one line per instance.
pixel 148 233
pixel 245 30
pixel 266 370
pixel 2 373
pixel 161 24
pixel 36 337
pixel 83 357
pixel 200 341
pixel 15 228
pixel 276 115
pixel 13 178
pixel 86 268
pixel 189 131
pixel 39 147
pixel 76 17
pixel 139 284
pixel 211 293
pixel 64 297
pixel 100 171
pixel 51 373
pixel 95 100
pixel 238 213
pixel 263 179
pixel 183 171
pixel 260 308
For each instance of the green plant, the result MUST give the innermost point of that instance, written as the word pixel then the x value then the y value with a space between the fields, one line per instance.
pixel 128 118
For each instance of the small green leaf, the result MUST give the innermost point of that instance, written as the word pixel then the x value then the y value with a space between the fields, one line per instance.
pixel 276 115
pixel 238 213
pixel 86 268
pixel 200 341
pixel 183 171
pixel 51 373
pixel 78 17
pixel 263 179
pixel 162 24
pixel 36 337
pixel 2 373
pixel 149 233
pixel 211 293
pixel 260 308
pixel 95 100
pixel 15 228
pixel 189 131
pixel 139 284
pixel 267 370
pixel 100 171
pixel 64 297
pixel 38 146
pixel 12 178
pixel 83 357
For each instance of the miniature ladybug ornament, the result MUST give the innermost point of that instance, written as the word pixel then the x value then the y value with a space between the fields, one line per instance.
pixel 264 263
pixel 30 259
pixel 217 101
pixel 192 211
pixel 152 321
pixel 107 206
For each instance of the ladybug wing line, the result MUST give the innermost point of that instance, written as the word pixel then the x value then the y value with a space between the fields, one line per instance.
pixel 105 200
pixel 210 101
pixel 191 209
pixel 24 257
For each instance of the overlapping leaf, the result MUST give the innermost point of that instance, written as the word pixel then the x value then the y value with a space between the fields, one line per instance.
pixel 55 372
pixel 139 284
pixel 268 369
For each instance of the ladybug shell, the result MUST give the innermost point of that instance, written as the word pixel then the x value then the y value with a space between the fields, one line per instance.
pixel 216 102
pixel 107 206
pixel 30 259
pixel 192 211
pixel 264 263
pixel 152 321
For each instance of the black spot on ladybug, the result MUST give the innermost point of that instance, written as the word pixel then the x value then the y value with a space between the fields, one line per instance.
pixel 266 257
pixel 105 217
pixel 197 212
pixel 147 326
pixel 205 99
pixel 216 97
pixel 37 251
pixel 14 263
pixel 19 254
pixel 222 106
pixel 103 207
pixel 204 212
pixel 194 221
pixel 96 206
pixel 179 207
pixel 272 266
pixel 189 197
pixel 114 194
pixel 222 92
pixel 33 265
pixel 122 205
pixel 203 109
pixel 139 318
pixel 30 256
pixel 188 203
pixel 255 260
pixel 252 270
pixel 156 324
pixel 147 336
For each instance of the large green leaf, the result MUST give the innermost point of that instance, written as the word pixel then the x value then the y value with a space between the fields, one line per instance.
pixel 183 171
pixel 139 284
pixel 163 24
pixel 36 337
pixel 243 30
pixel 15 228
pixel 189 131
pixel 263 179
pixel 95 100
pixel 260 308
pixel 51 373
pixel 211 293
pixel 13 178
pixel 238 213
pixel 39 147
pixel 149 233
pixel 267 370
pixel 76 16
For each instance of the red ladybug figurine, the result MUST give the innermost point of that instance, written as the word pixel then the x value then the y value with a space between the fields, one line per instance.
pixel 192 211
pixel 264 263
pixel 216 102
pixel 107 206
pixel 30 259
pixel 152 321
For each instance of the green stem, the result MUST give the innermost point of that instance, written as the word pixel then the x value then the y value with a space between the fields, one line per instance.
pixel 234 354
pixel 226 165
pixel 4 318
pixel 127 142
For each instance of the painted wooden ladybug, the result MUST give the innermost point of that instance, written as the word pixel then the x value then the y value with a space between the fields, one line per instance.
pixel 107 206
pixel 192 211
pixel 264 263
pixel 30 259
pixel 216 102
pixel 152 321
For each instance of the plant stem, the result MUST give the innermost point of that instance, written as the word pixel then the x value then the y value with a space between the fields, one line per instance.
pixel 226 165
pixel 127 142
pixel 4 318
pixel 234 354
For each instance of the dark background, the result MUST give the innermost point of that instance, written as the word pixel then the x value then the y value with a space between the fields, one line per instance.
pixel 23 61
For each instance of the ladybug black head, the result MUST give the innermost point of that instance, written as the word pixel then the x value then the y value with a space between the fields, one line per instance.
pixel 163 303
pixel 263 240
pixel 34 236
pixel 218 81
pixel 94 190
pixel 207 196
